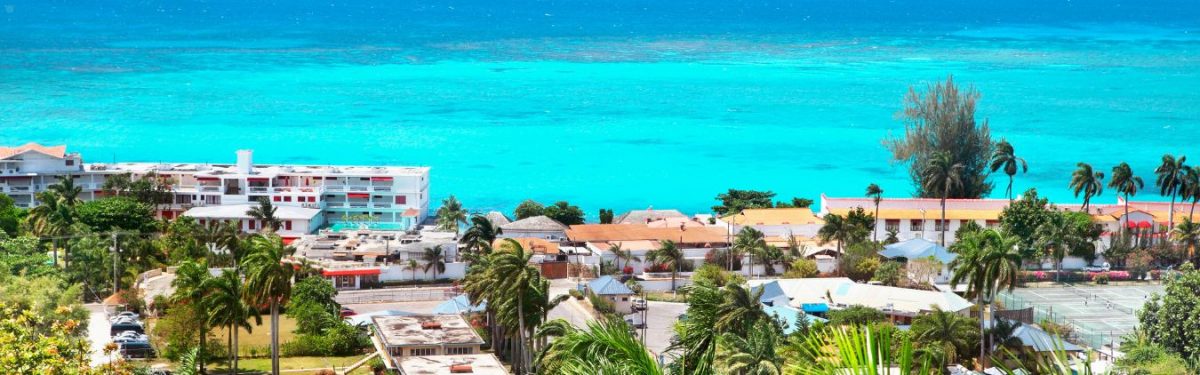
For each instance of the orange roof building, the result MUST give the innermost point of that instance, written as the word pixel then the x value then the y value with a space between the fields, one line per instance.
pixel 57 152
pixel 700 236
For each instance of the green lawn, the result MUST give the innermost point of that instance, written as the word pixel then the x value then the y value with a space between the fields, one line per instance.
pixel 261 335
pixel 247 365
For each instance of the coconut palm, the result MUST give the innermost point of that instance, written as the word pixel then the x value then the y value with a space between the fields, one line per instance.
pixel 1126 183
pixel 412 266
pixel 515 282
pixel 1171 177
pixel 480 235
pixel 876 194
pixel 435 260
pixel 605 347
pixel 698 338
pixel 1191 188
pixel 268 282
pixel 51 218
pixel 750 354
pixel 1088 182
pixel 667 254
pixel 188 362
pixel 748 241
pixel 988 261
pixel 740 310
pixel 1187 233
pixel 265 214
pixel 622 255
pixel 948 331
pixel 190 291
pixel 450 215
pixel 1054 236
pixel 836 229
pixel 942 176
pixel 1004 158
pixel 67 191
pixel 227 308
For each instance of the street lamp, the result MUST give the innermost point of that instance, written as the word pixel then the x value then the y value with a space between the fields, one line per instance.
pixel 922 223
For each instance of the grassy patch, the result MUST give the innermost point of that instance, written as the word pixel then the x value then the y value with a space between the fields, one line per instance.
pixel 260 337
pixel 292 363
pixel 666 297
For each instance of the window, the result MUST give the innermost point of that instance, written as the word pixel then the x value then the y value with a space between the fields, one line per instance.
pixel 916 226
pixel 251 224
pixel 422 351
pixel 463 350
pixel 275 198
pixel 941 225
pixel 401 199
pixel 287 198
pixel 624 299
pixel 992 223
pixel 891 225
pixel 287 225
pixel 70 162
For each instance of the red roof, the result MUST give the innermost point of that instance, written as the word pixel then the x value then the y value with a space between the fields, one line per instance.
pixel 412 212
pixel 353 272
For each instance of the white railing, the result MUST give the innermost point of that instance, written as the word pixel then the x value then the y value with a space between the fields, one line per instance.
pixel 209 188
pixel 381 205
pixel 257 189
pixel 358 205
pixel 357 188
pixel 382 188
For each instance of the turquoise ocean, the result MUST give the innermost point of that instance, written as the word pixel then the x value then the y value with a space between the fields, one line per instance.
pixel 608 104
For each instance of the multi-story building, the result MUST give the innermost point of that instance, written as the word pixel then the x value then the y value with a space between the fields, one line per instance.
pixel 308 196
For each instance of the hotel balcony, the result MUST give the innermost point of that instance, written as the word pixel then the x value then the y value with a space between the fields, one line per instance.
pixel 258 189
pixel 381 205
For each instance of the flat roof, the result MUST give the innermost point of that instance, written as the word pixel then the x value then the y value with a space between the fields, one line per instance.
pixel 261 170
pixel 480 364
pixel 421 330
pixel 238 211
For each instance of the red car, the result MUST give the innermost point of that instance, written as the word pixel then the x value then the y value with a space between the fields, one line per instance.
pixel 347 312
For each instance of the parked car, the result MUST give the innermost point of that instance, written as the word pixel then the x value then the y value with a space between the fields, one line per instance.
pixel 123 326
pixel 130 336
pixel 124 315
pixel 136 349
pixel 639 304
pixel 635 321
pixel 1102 268
pixel 347 312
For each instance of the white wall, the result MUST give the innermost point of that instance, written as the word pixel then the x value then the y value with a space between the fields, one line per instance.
pixel 397 272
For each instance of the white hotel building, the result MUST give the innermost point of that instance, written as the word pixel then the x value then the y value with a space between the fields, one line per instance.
pixel 307 196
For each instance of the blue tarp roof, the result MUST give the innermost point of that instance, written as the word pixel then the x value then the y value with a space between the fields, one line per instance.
pixel 458 305
pixel 607 286
pixel 790 316
pixel 917 248
pixel 771 292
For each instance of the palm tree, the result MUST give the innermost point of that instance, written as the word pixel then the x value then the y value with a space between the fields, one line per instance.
pixel 515 280
pixel 435 260
pixel 748 241
pixel 412 266
pixel 740 310
pixel 619 254
pixel 52 218
pixel 605 347
pixel 227 308
pixel 876 194
pixel 1004 158
pixel 67 191
pixel 987 262
pixel 450 214
pixel 265 213
pixel 1054 235
pixel 942 175
pixel 1171 177
pixel 479 236
pixel 1085 181
pixel 836 228
pixel 1191 188
pixel 751 354
pixel 945 330
pixel 1125 182
pixel 190 285
pixel 187 362
pixel 1187 233
pixel 667 254
pixel 268 282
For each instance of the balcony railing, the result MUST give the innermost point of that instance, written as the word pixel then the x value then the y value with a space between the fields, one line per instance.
pixel 381 205
pixel 258 189
pixel 382 188
pixel 358 205
pixel 211 189
pixel 356 188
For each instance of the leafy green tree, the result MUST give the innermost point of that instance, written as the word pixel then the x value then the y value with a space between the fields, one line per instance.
pixel 1088 182
pixel 182 240
pixel 268 282
pixel 528 208
pixel 51 218
pixel 1172 174
pixel 697 337
pixel 1004 158
pixel 1172 319
pixel 564 212
pixel 953 334
pixel 480 235
pixel 942 120
pixel 1023 217
pixel 712 275
pixel 667 254
pixel 606 216
pixel 968 227
pixel 604 347
pixel 1145 357
pixel 734 201
pixel 740 310
pixel 941 176
pixel 889 273
pixel 796 202
pixel 450 215
pixel 117 214
pixel 1126 183
pixel 802 268
pixel 876 194
pixel 856 315
pixel 10 216
pixel 311 303
pixel 24 256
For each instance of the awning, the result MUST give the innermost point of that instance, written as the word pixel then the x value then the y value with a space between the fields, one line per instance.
pixel 814 307
pixel 201 178
pixel 355 272
pixel 412 212
pixel 381 178
pixel 358 195
pixel 258 179
pixel 289 240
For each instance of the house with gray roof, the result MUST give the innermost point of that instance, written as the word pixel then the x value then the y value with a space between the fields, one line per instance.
pixel 497 218
pixel 535 227
pixel 920 248
pixel 647 215
pixel 613 291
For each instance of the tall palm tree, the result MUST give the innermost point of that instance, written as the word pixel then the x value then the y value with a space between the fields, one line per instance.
pixel 1187 233
pixel 265 213
pixel 516 281
pixel 1054 235
pixel 190 285
pixel 621 254
pixel 480 235
pixel 748 241
pixel 51 218
pixel 227 308
pixel 667 254
pixel 836 229
pixel 740 310
pixel 876 194
pixel 412 266
pixel 1171 177
pixel 1125 182
pixel 1191 188
pixel 435 260
pixel 67 191
pixel 942 175
pixel 944 329
pixel 750 354
pixel 605 347
pixel 1004 158
pixel 450 214
pixel 1085 181
pixel 268 282
pixel 988 261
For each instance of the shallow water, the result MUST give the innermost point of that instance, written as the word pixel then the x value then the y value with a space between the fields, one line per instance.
pixel 622 104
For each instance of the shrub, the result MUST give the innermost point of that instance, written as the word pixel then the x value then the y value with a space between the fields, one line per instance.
pixel 1100 278
pixel 628 270
pixel 889 273
pixel 863 270
pixel 601 305
pixel 802 268
pixel 1155 274
pixel 856 315
pixel 575 293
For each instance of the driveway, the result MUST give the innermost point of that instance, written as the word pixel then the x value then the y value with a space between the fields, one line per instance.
pixel 660 324
pixel 98 329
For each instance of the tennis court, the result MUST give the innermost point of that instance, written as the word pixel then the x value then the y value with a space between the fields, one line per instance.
pixel 1100 314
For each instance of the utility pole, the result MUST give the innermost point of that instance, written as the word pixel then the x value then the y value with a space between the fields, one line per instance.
pixel 116 255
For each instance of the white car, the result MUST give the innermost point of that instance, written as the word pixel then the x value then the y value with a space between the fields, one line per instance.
pixel 639 304
pixel 1103 268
